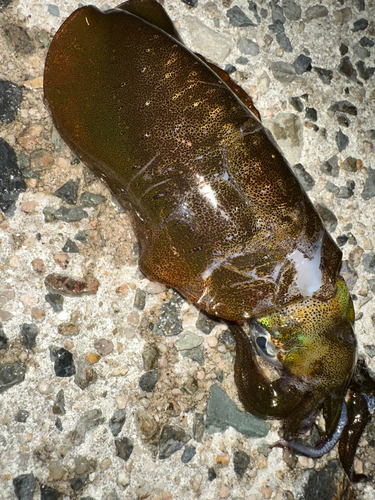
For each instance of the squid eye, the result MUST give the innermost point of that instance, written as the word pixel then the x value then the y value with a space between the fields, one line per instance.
pixel 263 344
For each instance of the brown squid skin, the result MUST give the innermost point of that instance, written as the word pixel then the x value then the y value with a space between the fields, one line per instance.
pixel 216 208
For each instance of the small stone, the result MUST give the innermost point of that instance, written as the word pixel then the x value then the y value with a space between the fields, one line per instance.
pixel 342 15
pixel 64 363
pixel 329 219
pixel 62 259
pixel 366 42
pixel 248 47
pixel 69 214
pixel 304 177
pixel 3 338
pixel 29 333
pixel 104 346
pixel 148 380
pixel 364 71
pixel 296 103
pixel 117 422
pixel 331 167
pixel 58 407
pixel 169 322
pixel 188 454
pixel 206 323
pixel 56 471
pixel 123 478
pixel 198 426
pixel 238 18
pixel 188 340
pixel 11 180
pixel 56 301
pixel 77 483
pixel 24 486
pixel 369 185
pixel 342 140
pixel 283 71
pixel 291 10
pixel 68 329
pixel 71 287
pixel 302 64
pixel 49 493
pixel 360 25
pixel 316 12
pixel 277 13
pixel 21 416
pixel 121 402
pixel 68 192
pixel 311 114
pixel 224 492
pixel 91 199
pixel 346 68
pixel 10 100
pixel 140 299
pixel 38 265
pixel 360 52
pixel 124 448
pixel 241 461
pixel 325 75
pixel 172 439
pixel 191 3
pixel 150 357
pixel 284 42
pixel 11 374
pixel 45 387
pixel 70 247
pixel 53 10
pixel 146 424
pixel 211 475
pixel 92 358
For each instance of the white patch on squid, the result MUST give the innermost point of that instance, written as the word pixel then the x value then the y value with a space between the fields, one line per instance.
pixel 309 275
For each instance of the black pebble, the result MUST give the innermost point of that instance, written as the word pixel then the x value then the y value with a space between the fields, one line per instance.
pixel 360 25
pixel 148 380
pixel 24 486
pixel 21 416
pixel 29 333
pixel 48 493
pixel 342 140
pixel 55 300
pixel 10 100
pixel 211 474
pixel 3 338
pixel 70 247
pixel 302 64
pixel 296 103
pixel 311 114
pixel 64 363
pixel 68 192
pixel 11 180
pixel 188 453
pixel 241 462
pixel 116 422
pixel 124 448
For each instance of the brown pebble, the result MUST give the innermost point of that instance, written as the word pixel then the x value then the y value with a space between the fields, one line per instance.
pixel 92 358
pixel 38 265
pixel 62 259
pixel 28 207
pixel 68 329
pixel 29 138
pixel 223 459
pixel 123 289
pixel 103 346
pixel 266 491
pixel 69 286
pixel 224 492
pixel 133 318
pixel 37 314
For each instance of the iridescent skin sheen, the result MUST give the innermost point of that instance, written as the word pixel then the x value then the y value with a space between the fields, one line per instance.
pixel 217 211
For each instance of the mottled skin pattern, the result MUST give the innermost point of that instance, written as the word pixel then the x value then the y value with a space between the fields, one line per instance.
pixel 216 209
